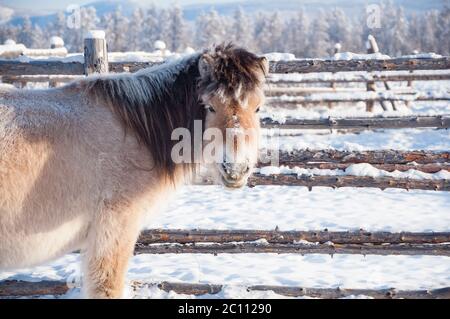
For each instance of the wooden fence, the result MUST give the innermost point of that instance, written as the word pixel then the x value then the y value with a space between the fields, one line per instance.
pixel 388 160
pixel 17 288
pixel 161 241
pixel 17 68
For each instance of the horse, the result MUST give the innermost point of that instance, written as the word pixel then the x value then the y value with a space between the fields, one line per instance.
pixel 82 164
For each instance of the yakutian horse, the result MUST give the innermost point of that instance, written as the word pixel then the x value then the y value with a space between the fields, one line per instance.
pixel 82 163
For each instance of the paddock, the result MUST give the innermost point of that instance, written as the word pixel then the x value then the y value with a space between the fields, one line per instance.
pixel 289 94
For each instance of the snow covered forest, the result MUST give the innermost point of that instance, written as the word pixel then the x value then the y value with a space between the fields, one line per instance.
pixel 298 33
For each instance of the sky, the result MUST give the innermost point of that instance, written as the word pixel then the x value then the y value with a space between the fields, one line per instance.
pixel 55 5
pixel 31 7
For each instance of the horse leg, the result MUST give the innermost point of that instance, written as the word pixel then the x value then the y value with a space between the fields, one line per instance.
pixel 110 246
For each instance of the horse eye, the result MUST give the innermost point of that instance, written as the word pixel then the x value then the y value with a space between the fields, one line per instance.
pixel 210 109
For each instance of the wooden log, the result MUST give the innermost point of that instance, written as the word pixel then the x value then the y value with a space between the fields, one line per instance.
pixel 426 168
pixel 338 78
pixel 388 88
pixel 185 236
pixel 371 157
pixel 14 288
pixel 295 66
pixel 42 78
pixel 317 66
pixel 439 121
pixel 317 91
pixel 294 103
pixel 95 53
pixel 326 293
pixel 274 85
pixel 332 66
pixel 40 67
pixel 348 181
pixel 301 248
pixel 371 87
pixel 372 47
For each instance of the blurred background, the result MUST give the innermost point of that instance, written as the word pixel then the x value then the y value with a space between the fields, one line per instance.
pixel 309 28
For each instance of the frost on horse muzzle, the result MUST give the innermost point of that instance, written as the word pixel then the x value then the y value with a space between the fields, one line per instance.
pixel 234 175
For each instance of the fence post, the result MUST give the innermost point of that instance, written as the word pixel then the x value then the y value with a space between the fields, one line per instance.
pixel 372 47
pixel 95 53
pixel 337 49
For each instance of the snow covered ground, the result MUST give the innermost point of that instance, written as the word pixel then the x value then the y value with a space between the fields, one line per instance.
pixel 265 207
pixel 295 208
pixel 401 139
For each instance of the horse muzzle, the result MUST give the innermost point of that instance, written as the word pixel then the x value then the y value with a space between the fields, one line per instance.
pixel 234 175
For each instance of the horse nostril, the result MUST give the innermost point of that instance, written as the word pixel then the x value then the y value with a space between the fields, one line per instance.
pixel 225 167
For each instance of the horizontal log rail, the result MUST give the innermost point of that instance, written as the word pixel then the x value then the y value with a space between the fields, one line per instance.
pixel 11 67
pixel 314 94
pixel 302 249
pixel 19 288
pixel 337 78
pixel 326 293
pixel 333 66
pixel 348 181
pixel 426 168
pixel 372 157
pixel 439 121
pixel 185 236
pixel 14 68
pixel 41 78
pixel 16 288
pixel 293 103
pixel 278 83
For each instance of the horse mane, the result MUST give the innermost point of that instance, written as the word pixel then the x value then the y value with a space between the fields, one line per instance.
pixel 154 101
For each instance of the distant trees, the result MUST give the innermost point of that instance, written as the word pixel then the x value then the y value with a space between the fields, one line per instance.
pixel 303 34
pixel 242 27
pixel 269 32
pixel 319 36
pixel 177 31
pixel 150 29
pixel 117 34
pixel 211 28
pixel 296 35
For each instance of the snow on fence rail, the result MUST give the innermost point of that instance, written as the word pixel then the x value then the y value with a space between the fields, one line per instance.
pixel 16 288
pixel 426 168
pixel 387 160
pixel 438 121
pixel 371 157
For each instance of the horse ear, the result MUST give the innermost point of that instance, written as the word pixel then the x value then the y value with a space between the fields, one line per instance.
pixel 264 65
pixel 206 65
